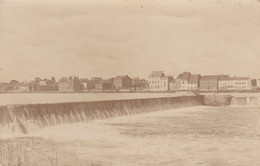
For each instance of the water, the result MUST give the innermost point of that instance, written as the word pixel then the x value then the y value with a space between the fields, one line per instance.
pixel 20 118
pixel 35 98
pixel 201 135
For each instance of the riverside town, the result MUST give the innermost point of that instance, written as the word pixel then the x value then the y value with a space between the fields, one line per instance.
pixel 157 81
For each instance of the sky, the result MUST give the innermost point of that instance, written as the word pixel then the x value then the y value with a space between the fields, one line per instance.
pixel 106 38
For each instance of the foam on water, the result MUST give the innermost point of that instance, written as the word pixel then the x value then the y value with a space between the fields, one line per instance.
pixel 25 118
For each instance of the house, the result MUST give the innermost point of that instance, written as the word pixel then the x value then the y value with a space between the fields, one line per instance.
pixel 6 87
pixel 122 83
pixel 254 84
pixel 43 85
pixel 158 81
pixel 185 81
pixel 103 85
pixel 258 83
pixel 235 83
pixel 22 87
pixel 139 84
pixel 209 83
pixel 84 83
pixel 69 84
pixel 90 85
pixel 193 82
pixel 174 85
pixel 184 78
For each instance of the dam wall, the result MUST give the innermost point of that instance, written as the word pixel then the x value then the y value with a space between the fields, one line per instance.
pixel 20 118
pixel 229 100
pixel 246 101
pixel 217 100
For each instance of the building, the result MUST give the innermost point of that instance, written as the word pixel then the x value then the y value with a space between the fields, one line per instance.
pixel 69 84
pixel 6 87
pixel 185 81
pixel 43 85
pixel 254 84
pixel 103 85
pixel 258 83
pixel 209 83
pixel 90 85
pixel 158 81
pixel 84 83
pixel 183 78
pixel 235 83
pixel 175 85
pixel 139 84
pixel 193 82
pixel 122 83
pixel 22 87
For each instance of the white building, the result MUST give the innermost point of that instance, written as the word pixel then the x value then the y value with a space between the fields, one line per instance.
pixel 188 81
pixel 184 78
pixel 235 83
pixel 158 81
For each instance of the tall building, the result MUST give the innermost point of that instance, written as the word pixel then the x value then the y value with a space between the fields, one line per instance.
pixel 69 84
pixel 139 84
pixel 158 81
pixel 122 83
pixel 209 83
pixel 104 85
pixel 185 81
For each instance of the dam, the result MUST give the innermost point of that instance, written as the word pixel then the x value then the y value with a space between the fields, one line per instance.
pixel 19 118
pixel 16 118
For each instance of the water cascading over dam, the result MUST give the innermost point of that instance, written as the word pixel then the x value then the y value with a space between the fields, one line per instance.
pixel 17 118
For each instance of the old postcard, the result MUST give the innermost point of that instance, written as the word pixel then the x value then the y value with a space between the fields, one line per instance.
pixel 129 83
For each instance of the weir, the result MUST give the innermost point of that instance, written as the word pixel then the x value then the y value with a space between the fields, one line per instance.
pixel 18 118
pixel 247 101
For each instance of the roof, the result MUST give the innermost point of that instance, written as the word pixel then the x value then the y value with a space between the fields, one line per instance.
pixel 84 80
pixel 194 78
pixel 234 78
pixel 96 78
pixel 210 77
pixel 157 74
pixel 121 77
pixel 184 76
pixel 103 82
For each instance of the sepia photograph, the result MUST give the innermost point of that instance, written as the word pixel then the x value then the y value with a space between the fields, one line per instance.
pixel 129 82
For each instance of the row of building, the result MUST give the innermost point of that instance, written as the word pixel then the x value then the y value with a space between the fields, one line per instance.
pixel 97 84
pixel 37 84
pixel 157 81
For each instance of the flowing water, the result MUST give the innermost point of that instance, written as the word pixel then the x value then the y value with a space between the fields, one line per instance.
pixel 200 135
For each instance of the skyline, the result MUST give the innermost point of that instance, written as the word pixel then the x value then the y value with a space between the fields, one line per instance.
pixel 109 38
pixel 145 78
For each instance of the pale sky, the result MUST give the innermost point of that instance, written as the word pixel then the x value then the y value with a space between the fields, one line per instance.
pixel 44 38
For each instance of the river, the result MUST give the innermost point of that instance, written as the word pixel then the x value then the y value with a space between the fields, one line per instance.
pixel 194 136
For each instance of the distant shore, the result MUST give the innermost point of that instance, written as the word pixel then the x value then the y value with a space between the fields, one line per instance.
pixel 181 91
